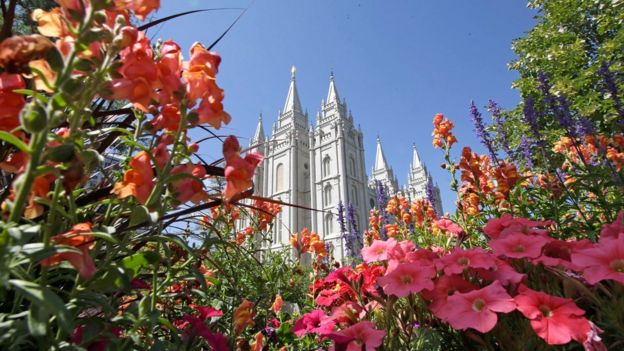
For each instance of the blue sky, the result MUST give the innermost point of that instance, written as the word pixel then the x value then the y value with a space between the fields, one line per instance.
pixel 397 63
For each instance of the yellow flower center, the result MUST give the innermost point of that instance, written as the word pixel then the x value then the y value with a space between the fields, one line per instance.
pixel 546 311
pixel 618 266
pixel 478 304
pixel 518 248
pixel 464 261
pixel 406 279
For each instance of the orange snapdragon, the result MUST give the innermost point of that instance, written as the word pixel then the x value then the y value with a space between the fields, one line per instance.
pixel 238 171
pixel 82 261
pixel 243 316
pixel 138 181
pixel 442 135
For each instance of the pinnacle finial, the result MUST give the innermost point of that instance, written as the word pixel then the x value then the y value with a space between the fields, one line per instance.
pixel 331 74
pixel 293 72
pixel 260 117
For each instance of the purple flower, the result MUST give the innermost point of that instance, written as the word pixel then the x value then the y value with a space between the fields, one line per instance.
pixel 526 145
pixel 341 219
pixel 584 127
pixel 481 132
pixel 611 87
pixel 382 202
pixel 560 107
pixel 500 126
pixel 352 237
pixel 430 196
pixel 530 116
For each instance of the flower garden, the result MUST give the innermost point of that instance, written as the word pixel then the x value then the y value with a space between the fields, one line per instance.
pixel 154 254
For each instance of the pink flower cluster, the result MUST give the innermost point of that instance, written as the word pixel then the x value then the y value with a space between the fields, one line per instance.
pixel 469 288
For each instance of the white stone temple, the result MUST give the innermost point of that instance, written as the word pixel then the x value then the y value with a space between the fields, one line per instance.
pixel 318 165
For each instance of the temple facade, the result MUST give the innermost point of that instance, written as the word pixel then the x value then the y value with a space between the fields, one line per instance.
pixel 321 164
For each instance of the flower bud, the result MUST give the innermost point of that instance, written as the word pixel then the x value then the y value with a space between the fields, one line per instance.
pixel 126 37
pixel 33 118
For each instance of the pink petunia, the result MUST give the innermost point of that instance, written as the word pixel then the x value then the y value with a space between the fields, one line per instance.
pixel 313 322
pixel 556 320
pixel 503 272
pixel 360 336
pixel 507 224
pixel 446 286
pixel 477 309
pixel 406 279
pixel 459 260
pixel 613 230
pixel 378 250
pixel 449 226
pixel 603 261
pixel 518 245
pixel 557 253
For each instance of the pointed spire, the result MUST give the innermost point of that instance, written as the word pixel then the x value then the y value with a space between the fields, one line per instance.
pixel 380 157
pixel 332 94
pixel 259 135
pixel 292 99
pixel 415 157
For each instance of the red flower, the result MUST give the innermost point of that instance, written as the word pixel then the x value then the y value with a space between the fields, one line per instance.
pixel 556 320
pixel 238 171
pixel 460 259
pixel 518 245
pixel 82 261
pixel 406 279
pixel 313 322
pixel 378 250
pixel 477 309
pixel 206 312
pixel 605 260
pixel 11 103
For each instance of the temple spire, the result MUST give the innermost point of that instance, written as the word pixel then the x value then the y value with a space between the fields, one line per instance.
pixel 380 157
pixel 415 157
pixel 292 99
pixel 332 94
pixel 259 135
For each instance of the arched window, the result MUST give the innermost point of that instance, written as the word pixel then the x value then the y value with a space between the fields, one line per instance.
pixel 372 203
pixel 326 166
pixel 329 223
pixel 354 195
pixel 351 166
pixel 279 177
pixel 327 195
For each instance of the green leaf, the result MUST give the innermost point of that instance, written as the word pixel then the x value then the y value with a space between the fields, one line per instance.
pixel 36 252
pixel 104 236
pixel 44 298
pixel 38 320
pixel 140 215
pixel 13 140
pixel 134 263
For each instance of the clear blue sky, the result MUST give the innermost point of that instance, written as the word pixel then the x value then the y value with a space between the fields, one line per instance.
pixel 396 62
